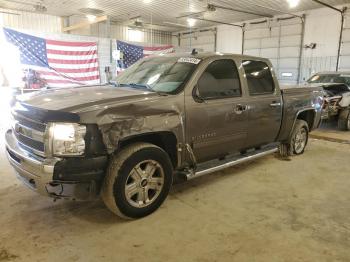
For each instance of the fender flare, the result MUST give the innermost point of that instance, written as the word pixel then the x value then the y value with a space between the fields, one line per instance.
pixel 296 117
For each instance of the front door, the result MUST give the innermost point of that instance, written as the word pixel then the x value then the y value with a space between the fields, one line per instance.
pixel 265 101
pixel 216 113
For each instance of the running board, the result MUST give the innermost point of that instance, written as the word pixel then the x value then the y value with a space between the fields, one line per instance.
pixel 217 165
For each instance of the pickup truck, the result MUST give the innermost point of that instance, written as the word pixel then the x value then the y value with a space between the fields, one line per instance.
pixel 178 115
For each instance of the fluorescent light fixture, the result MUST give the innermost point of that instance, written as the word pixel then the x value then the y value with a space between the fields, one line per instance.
pixel 293 3
pixel 191 22
pixel 287 74
pixel 91 18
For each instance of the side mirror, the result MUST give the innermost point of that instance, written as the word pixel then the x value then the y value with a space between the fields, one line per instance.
pixel 196 95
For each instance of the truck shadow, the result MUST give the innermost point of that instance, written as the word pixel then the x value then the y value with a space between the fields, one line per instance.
pixel 95 211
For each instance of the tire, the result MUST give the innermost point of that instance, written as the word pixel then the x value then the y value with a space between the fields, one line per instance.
pixel 344 119
pixel 284 150
pixel 148 173
pixel 300 137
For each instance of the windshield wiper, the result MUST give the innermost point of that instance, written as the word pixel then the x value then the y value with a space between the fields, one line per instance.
pixel 144 86
pixel 136 85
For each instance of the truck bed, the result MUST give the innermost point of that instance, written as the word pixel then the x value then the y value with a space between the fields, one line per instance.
pixel 296 99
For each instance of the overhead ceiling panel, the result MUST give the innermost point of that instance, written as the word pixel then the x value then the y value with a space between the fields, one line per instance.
pixel 160 11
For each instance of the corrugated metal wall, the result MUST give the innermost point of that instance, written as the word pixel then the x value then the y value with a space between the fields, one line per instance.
pixel 122 32
pixel 30 21
pixel 280 42
pixel 203 40
pixel 344 63
pixel 312 65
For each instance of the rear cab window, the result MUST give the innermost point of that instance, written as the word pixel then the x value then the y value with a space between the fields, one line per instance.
pixel 259 77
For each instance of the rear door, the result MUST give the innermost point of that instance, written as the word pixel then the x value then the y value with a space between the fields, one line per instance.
pixel 216 115
pixel 265 103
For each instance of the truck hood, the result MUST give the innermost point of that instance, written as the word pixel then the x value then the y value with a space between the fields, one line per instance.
pixel 79 98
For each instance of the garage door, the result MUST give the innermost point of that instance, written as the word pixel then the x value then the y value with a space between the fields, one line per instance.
pixel 203 40
pixel 344 60
pixel 280 42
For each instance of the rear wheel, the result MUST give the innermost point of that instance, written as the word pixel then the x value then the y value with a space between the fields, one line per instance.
pixel 298 140
pixel 138 180
pixel 300 137
pixel 344 119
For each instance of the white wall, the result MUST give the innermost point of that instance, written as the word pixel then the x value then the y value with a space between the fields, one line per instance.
pixel 229 39
pixel 322 27
pixel 30 21
pixel 121 32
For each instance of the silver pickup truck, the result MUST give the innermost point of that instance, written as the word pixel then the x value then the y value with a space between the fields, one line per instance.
pixel 177 115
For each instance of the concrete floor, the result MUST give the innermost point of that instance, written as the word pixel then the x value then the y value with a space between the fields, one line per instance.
pixel 330 132
pixel 267 210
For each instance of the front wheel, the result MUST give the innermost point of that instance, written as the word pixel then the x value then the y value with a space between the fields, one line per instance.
pixel 138 180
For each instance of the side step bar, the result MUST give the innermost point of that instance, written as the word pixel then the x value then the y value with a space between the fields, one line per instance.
pixel 216 165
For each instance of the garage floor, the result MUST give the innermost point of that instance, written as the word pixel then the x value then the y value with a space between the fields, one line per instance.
pixel 267 210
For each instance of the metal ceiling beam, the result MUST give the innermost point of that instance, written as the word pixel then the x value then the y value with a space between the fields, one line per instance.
pixel 328 5
pixel 191 14
pixel 85 24
pixel 8 13
pixel 211 6
pixel 278 10
pixel 218 22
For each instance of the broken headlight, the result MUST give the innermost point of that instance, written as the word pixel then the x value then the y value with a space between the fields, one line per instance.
pixel 67 139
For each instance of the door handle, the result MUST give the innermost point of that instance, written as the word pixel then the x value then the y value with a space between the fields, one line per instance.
pixel 275 104
pixel 239 109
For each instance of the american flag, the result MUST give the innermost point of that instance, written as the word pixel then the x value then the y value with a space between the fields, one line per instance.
pixel 133 53
pixel 58 63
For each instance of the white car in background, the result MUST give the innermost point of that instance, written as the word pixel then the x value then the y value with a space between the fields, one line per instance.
pixel 336 86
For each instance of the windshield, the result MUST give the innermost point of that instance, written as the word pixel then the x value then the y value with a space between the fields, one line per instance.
pixel 159 74
pixel 331 78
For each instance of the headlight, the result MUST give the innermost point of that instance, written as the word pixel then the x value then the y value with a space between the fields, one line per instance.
pixel 68 139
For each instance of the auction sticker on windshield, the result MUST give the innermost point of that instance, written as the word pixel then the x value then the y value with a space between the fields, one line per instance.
pixel 189 60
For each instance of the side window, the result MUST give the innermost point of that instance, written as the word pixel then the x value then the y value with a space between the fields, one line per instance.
pixel 220 80
pixel 259 77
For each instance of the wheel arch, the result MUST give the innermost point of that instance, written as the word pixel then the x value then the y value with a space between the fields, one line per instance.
pixel 166 140
pixel 308 115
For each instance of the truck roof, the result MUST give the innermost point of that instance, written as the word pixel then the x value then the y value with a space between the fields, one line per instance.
pixel 204 55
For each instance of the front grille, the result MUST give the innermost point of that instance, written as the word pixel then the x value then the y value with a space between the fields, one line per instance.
pixel 30 134
pixel 30 123
pixel 29 142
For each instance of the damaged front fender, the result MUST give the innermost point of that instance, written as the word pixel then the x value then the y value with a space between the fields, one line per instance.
pixel 120 122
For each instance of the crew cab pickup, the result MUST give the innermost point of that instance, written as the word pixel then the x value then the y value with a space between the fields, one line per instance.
pixel 175 115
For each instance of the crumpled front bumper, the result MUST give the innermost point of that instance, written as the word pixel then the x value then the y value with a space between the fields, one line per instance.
pixel 38 174
pixel 34 172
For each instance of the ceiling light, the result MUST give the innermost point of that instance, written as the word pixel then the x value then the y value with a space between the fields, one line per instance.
pixel 147 1
pixel 191 22
pixel 293 3
pixel 91 18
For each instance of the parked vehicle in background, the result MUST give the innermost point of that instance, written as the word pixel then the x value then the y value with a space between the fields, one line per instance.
pixel 336 86
pixel 179 114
